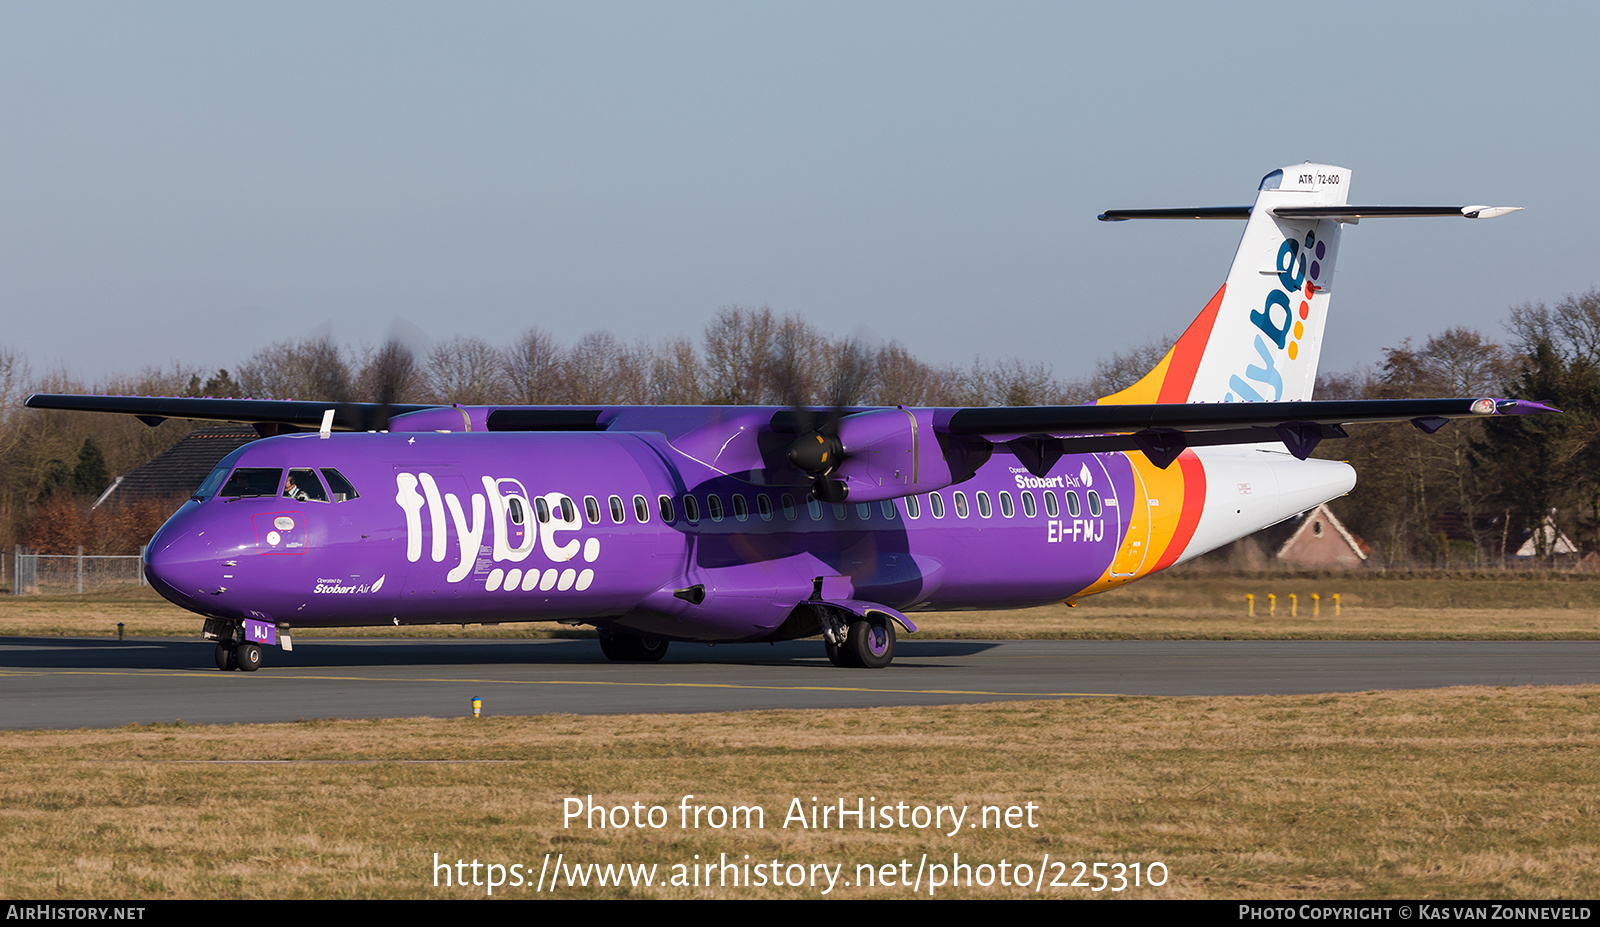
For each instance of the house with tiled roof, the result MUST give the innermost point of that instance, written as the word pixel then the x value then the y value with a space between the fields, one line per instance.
pixel 1322 542
pixel 179 470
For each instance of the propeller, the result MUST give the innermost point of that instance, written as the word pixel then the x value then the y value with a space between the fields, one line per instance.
pixel 819 450
pixel 389 372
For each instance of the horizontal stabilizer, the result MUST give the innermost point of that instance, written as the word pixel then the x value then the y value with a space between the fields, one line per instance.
pixel 1337 213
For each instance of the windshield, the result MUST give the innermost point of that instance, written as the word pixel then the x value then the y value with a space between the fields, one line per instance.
pixel 252 481
pixel 209 487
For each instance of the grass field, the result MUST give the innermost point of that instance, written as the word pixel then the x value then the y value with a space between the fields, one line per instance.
pixel 1181 605
pixel 1461 793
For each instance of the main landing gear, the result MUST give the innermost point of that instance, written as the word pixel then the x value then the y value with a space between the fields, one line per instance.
pixel 868 644
pixel 631 648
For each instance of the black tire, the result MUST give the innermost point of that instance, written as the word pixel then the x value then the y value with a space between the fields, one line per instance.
pixel 248 656
pixel 225 660
pixel 649 649
pixel 631 648
pixel 837 655
pixel 870 644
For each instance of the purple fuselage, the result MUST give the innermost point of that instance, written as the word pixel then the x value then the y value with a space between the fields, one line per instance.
pixel 610 527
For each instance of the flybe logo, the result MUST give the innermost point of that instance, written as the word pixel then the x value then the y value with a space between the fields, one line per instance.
pixel 499 521
pixel 1282 324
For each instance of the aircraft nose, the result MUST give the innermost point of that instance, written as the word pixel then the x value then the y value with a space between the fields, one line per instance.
pixel 181 564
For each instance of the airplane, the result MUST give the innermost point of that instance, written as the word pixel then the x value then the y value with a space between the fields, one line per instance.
pixel 759 524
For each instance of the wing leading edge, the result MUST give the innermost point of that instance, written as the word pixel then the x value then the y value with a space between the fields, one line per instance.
pixel 1039 435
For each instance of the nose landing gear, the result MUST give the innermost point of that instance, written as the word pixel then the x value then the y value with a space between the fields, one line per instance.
pixel 233 651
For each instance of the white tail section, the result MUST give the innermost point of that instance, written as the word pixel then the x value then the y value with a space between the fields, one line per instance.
pixel 1259 338
pixel 1268 332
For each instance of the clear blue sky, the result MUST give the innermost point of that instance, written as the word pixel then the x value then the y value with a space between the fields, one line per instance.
pixel 189 182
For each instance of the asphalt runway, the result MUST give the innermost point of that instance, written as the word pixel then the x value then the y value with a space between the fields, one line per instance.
pixel 81 682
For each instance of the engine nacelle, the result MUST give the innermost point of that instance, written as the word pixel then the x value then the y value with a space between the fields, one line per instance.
pixel 889 453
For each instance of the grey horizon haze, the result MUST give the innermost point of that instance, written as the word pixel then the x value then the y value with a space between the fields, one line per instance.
pixel 190 182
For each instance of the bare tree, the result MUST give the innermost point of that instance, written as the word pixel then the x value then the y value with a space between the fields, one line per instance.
pixel 1125 368
pixel 601 369
pixel 389 374
pixel 902 380
pixel 534 368
pixel 465 370
pixel 676 374
pixel 311 369
pixel 738 351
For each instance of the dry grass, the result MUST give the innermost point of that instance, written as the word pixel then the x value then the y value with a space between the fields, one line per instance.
pixel 1181 605
pixel 1434 794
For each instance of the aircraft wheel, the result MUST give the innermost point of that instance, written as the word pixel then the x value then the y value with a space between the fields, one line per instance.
pixel 870 644
pixel 225 658
pixel 248 656
pixel 649 649
pixel 837 655
pixel 613 645
pixel 631 648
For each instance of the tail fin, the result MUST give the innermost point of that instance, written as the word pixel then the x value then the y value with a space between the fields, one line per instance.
pixel 1260 337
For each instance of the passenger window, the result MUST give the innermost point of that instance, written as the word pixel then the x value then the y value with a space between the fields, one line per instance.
pixel 542 507
pixel 791 510
pixel 1028 507
pixel 888 509
pixel 1094 503
pixel 641 509
pixel 591 508
pixel 840 513
pixel 303 486
pixel 252 481
pixel 341 488
pixel 1005 505
pixel 1072 503
pixel 815 508
pixel 691 508
pixel 741 508
pixel 569 511
pixel 1050 506
pixel 961 504
pixel 983 504
pixel 514 507
pixel 764 506
pixel 618 513
pixel 864 510
pixel 665 504
pixel 936 504
pixel 714 507
pixel 913 507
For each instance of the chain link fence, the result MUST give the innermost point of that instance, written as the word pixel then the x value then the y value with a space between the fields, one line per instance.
pixel 35 574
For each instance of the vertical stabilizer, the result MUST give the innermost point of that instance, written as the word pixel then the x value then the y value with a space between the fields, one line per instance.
pixel 1260 336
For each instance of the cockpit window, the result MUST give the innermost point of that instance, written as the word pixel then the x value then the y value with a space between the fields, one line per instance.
pixel 252 481
pixel 209 487
pixel 303 486
pixel 341 488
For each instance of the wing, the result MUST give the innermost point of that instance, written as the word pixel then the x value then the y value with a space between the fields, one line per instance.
pixel 1163 431
pixel 270 416
pixel 864 455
